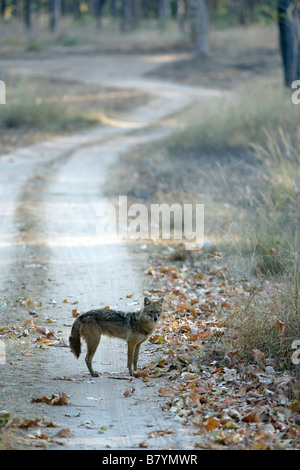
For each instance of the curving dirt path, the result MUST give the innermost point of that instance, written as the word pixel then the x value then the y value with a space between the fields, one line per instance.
pixel 52 261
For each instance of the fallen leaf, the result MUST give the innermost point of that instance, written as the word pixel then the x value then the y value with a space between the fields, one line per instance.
pixel 70 379
pixel 54 400
pixel 295 406
pixel 187 306
pixel 283 379
pixel 251 417
pixel 225 403
pixel 156 339
pixel 28 423
pixel 211 423
pixel 260 445
pixel 280 327
pixel 128 392
pixel 65 432
pixel 75 313
pixel 203 334
pixel 49 424
pixel 161 432
pixel 144 445
pixel 50 320
pixel 258 355
pixel 166 392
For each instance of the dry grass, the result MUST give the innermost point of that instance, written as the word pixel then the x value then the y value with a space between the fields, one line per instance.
pixel 267 323
pixel 83 36
pixel 40 108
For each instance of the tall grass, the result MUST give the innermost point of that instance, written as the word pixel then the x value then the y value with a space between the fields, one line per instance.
pixel 239 119
pixel 274 201
pixel 26 108
pixel 244 153
pixel 268 322
pixel 268 242
pixel 48 117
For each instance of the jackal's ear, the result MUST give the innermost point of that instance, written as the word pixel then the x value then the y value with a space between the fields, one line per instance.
pixel 161 301
pixel 146 301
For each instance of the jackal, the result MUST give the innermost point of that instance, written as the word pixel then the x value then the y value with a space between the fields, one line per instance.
pixel 133 327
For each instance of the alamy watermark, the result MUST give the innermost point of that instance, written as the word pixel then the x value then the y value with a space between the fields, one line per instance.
pixel 160 221
pixel 2 352
pixel 296 354
pixel 296 94
pixel 2 92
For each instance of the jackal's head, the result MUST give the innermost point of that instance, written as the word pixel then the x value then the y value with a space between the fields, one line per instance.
pixel 152 309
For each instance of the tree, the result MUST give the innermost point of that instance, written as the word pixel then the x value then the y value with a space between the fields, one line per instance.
pixel 3 7
pixel 164 12
pixel 131 10
pixel 98 7
pixel 27 13
pixel 55 9
pixel 288 23
pixel 199 19
pixel 181 8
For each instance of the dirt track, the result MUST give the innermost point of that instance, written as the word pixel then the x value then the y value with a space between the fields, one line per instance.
pixel 53 261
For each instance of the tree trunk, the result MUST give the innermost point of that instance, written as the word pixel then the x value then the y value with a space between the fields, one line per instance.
pixel 125 17
pixel 181 14
pixel 3 7
pixel 199 19
pixel 76 8
pixel 164 12
pixel 27 11
pixel 98 7
pixel 55 9
pixel 289 40
pixel 130 14
pixel 136 13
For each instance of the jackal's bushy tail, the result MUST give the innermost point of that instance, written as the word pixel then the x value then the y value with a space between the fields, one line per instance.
pixel 74 339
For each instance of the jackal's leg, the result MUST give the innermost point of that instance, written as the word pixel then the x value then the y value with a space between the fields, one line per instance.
pixel 136 355
pixel 92 341
pixel 130 354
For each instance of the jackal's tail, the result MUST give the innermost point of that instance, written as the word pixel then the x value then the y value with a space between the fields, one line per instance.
pixel 74 339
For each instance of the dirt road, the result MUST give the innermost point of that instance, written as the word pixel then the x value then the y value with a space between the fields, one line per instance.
pixel 53 261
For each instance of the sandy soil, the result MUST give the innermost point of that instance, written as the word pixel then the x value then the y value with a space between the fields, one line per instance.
pixel 53 261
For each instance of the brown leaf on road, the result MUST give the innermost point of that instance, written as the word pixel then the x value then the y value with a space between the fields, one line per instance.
pixel 260 445
pixel 144 445
pixel 70 379
pixel 226 403
pixel 211 423
pixel 28 423
pixel 54 400
pixel 65 432
pixel 186 306
pixel 203 334
pixel 161 432
pixel 251 417
pixel 166 392
pixel 128 392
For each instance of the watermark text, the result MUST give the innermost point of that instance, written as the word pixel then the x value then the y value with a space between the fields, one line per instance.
pixel 160 221
pixel 2 92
